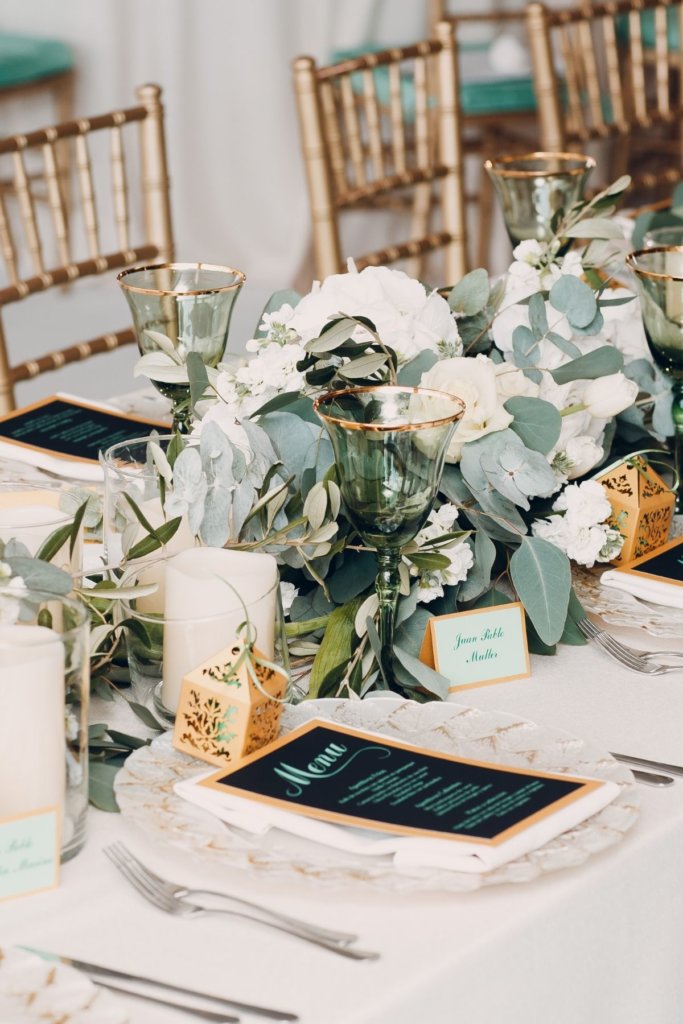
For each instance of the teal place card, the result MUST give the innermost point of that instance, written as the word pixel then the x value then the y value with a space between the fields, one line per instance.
pixel 478 647
pixel 29 853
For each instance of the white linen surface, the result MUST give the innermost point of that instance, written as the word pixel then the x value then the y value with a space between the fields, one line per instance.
pixel 409 853
pixel 653 591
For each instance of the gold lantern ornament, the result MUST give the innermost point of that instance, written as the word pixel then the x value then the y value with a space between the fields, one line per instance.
pixel 642 506
pixel 230 706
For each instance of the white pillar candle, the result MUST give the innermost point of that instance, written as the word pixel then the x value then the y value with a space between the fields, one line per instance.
pixel 32 731
pixel 202 613
pixel 31 517
pixel 181 540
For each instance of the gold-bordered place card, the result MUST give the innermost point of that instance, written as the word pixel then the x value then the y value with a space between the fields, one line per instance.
pixel 665 565
pixel 29 853
pixel 478 647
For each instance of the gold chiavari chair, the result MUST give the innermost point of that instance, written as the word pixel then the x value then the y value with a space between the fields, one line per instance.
pixel 612 71
pixel 371 133
pixel 26 237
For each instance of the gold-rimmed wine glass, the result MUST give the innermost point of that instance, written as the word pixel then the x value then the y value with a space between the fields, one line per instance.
pixel 389 444
pixel 191 304
pixel 532 187
pixel 659 276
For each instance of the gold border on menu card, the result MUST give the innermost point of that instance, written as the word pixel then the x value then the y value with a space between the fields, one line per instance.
pixel 79 404
pixel 629 567
pixel 428 649
pixel 337 818
pixel 52 809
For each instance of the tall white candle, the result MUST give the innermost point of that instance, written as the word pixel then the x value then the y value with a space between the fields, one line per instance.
pixel 202 613
pixel 181 540
pixel 32 733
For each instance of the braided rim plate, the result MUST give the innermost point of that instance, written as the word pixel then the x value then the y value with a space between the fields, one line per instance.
pixel 144 791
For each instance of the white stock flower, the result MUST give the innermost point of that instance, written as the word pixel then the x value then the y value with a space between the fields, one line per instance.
pixel 287 594
pixel 474 382
pixel 582 453
pixel 585 504
pixel 607 396
pixel 579 529
pixel 431 582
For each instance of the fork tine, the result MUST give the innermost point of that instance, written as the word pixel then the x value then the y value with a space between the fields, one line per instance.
pixel 150 892
pixel 615 649
pixel 141 869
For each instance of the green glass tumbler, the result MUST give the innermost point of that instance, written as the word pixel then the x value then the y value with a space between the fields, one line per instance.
pixel 190 303
pixel 532 187
pixel 389 445
pixel 659 276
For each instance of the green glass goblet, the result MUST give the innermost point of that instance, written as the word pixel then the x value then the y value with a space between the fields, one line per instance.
pixel 191 304
pixel 532 187
pixel 659 276
pixel 389 445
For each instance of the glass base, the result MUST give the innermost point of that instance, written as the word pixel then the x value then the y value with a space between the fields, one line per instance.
pixel 160 708
pixel 73 826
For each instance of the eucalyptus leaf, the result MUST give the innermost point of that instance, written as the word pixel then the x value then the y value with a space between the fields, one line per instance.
pixel 101 786
pixel 197 376
pixel 332 336
pixel 598 363
pixel 575 299
pixel 594 227
pixel 541 576
pixel 411 373
pixel 357 369
pixel 537 422
pixel 337 646
pixel 421 675
pixel 470 295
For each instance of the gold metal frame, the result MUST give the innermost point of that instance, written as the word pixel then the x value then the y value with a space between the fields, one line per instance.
pixel 492 166
pixel 238 274
pixel 631 262
pixel 385 427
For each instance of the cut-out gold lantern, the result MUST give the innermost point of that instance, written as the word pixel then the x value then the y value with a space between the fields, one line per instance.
pixel 642 506
pixel 230 706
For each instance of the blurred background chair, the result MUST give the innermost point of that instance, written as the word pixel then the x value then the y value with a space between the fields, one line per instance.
pixel 382 129
pixel 38 251
pixel 611 73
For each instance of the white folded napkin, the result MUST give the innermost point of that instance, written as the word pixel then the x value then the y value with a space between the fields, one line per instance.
pixel 70 469
pixel 655 591
pixel 409 854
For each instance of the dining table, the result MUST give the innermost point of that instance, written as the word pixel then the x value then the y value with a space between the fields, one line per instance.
pixel 598 941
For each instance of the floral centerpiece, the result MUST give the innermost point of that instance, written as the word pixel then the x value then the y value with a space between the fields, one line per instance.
pixel 553 367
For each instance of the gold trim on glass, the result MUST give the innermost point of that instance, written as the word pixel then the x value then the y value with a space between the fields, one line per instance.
pixel 386 427
pixel 631 262
pixel 239 274
pixel 493 166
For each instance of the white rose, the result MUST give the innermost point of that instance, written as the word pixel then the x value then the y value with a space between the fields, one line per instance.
pixel 474 382
pixel 583 452
pixel 607 396
pixel 624 326
pixel 585 544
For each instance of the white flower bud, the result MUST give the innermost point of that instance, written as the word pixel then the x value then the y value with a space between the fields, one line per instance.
pixel 607 396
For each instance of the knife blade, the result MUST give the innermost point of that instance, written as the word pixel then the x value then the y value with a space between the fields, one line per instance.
pixel 672 769
pixel 98 971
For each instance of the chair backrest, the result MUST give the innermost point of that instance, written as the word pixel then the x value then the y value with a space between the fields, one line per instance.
pixel 385 125
pixel 38 243
pixel 610 70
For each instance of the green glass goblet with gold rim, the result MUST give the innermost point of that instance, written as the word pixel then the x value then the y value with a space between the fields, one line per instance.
pixel 389 445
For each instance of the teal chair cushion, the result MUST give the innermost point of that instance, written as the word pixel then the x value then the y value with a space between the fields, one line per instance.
pixel 647 21
pixel 482 91
pixel 25 59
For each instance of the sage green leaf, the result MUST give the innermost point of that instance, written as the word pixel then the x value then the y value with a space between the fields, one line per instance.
pixel 164 344
pixel 410 375
pixel 470 295
pixel 197 376
pixel 355 574
pixel 146 716
pixel 363 367
pixel 541 576
pixel 492 599
pixel 430 560
pixel 575 299
pixel 419 675
pixel 537 316
pixel 564 345
pixel 537 422
pixel 336 647
pixel 161 535
pixel 594 327
pixel 291 400
pixel 524 346
pixel 594 227
pixel 126 740
pixel 39 575
pixel 101 786
pixel 479 576
pixel 332 336
pixel 598 363
pixel 575 613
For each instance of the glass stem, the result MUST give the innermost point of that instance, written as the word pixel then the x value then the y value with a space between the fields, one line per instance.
pixel 387 584
pixel 677 413
pixel 182 417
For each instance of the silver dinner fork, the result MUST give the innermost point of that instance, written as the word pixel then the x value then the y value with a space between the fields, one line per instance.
pixel 162 894
pixel 646 662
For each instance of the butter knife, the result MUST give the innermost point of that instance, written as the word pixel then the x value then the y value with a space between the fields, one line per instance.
pixel 97 972
pixel 672 769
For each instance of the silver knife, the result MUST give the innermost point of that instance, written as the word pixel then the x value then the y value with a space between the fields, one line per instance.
pixel 210 1015
pixel 96 971
pixel 650 779
pixel 672 769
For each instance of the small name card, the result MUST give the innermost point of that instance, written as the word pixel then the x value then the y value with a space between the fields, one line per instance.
pixel 29 853
pixel 478 647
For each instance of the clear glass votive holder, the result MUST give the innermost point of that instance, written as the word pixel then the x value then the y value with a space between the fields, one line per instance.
pixel 163 648
pixel 663 238
pixel 44 697
pixel 31 517
pixel 129 469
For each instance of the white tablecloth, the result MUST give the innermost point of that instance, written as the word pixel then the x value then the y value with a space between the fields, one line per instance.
pixel 599 943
